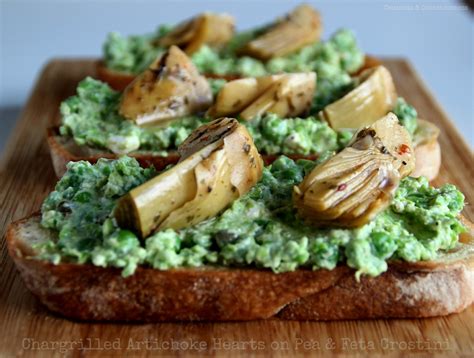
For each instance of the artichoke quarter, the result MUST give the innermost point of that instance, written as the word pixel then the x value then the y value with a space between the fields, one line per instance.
pixel 205 29
pixel 350 188
pixel 219 163
pixel 287 95
pixel 374 96
pixel 170 88
pixel 299 28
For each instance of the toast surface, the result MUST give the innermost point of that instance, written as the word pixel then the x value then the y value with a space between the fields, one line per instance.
pixel 119 80
pixel 64 150
pixel 87 292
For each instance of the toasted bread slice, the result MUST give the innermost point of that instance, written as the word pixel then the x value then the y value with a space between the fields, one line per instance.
pixel 64 150
pixel 87 292
pixel 119 80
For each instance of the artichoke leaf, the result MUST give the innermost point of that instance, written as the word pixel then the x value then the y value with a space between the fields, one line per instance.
pixel 170 88
pixel 245 160
pixel 220 164
pixel 374 96
pixel 299 28
pixel 148 205
pixel 352 187
pixel 345 208
pixel 235 95
pixel 324 197
pixel 367 191
pixel 393 139
pixel 240 150
pixel 205 135
pixel 214 191
pixel 205 29
pixel 369 209
pixel 286 95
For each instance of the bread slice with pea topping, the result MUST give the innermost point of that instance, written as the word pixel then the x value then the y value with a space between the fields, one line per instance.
pixel 64 150
pixel 86 292
pixel 255 260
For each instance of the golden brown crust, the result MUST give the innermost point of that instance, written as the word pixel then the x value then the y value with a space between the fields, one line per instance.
pixel 87 292
pixel 394 294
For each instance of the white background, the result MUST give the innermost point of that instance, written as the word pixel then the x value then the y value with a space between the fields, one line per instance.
pixel 437 36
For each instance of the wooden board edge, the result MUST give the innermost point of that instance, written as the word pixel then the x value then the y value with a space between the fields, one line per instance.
pixel 21 120
pixel 437 106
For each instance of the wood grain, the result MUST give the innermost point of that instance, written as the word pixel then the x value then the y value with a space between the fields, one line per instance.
pixel 26 177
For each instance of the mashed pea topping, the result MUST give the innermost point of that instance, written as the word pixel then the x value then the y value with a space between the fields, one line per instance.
pixel 91 118
pixel 260 229
pixel 333 60
pixel 132 54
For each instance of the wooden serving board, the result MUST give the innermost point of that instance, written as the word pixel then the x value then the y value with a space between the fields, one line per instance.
pixel 26 177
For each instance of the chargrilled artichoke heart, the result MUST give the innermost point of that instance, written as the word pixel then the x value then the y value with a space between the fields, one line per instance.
pixel 349 189
pixel 170 88
pixel 370 100
pixel 286 95
pixel 219 163
pixel 205 29
pixel 299 28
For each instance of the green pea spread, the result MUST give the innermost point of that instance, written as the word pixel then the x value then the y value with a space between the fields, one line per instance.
pixel 332 60
pixel 260 229
pixel 91 118
pixel 133 54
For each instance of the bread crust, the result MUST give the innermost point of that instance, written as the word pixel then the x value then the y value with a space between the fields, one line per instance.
pixel 87 292
pixel 428 160
pixel 428 156
pixel 64 150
